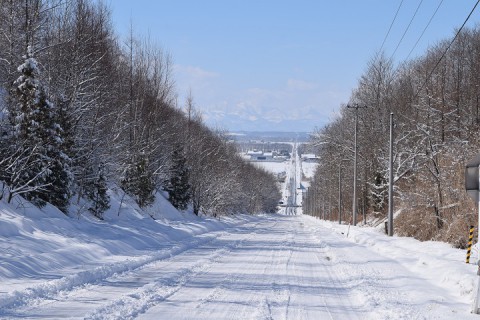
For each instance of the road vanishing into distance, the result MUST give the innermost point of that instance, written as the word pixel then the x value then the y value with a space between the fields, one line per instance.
pixel 273 267
pixel 278 266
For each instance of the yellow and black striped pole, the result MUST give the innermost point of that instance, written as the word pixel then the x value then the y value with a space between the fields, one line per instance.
pixel 469 246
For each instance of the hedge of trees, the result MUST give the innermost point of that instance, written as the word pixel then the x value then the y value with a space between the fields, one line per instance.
pixel 82 110
pixel 435 99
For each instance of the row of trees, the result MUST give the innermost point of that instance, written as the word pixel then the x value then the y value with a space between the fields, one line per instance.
pixel 436 104
pixel 81 110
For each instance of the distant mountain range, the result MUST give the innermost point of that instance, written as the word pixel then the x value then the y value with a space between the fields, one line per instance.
pixel 272 136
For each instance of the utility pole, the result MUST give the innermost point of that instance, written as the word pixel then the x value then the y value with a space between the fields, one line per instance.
pixel 355 207
pixel 364 211
pixel 390 181
pixel 323 207
pixel 340 193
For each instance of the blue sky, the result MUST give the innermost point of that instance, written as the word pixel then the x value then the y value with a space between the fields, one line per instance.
pixel 281 65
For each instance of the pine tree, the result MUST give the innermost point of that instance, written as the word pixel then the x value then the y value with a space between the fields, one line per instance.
pixel 146 185
pixel 138 181
pixel 97 193
pixel 178 186
pixel 41 170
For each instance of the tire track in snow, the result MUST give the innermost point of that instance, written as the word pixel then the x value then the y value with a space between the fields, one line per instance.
pixel 264 311
pixel 151 294
pixel 280 293
pixel 229 281
pixel 334 283
pixel 64 288
pixel 53 290
pixel 220 290
pixel 312 269
pixel 299 279
pixel 287 307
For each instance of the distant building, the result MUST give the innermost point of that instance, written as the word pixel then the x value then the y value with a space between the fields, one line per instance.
pixel 254 152
pixel 257 155
pixel 307 157
pixel 285 153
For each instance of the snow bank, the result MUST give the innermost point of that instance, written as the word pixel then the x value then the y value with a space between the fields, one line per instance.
pixel 439 263
pixel 43 252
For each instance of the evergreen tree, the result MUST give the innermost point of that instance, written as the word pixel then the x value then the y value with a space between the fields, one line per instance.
pixel 178 186
pixel 97 193
pixel 138 182
pixel 41 170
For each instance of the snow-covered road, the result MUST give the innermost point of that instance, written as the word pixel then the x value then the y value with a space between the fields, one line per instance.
pixel 273 267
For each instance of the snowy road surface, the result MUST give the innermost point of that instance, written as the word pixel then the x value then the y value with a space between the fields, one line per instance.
pixel 273 267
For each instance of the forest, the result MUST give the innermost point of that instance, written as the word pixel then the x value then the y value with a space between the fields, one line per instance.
pixel 435 103
pixel 82 111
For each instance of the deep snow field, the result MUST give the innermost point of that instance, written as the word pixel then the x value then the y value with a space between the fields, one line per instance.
pixel 165 264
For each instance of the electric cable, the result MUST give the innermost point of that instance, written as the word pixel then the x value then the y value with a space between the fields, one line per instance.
pixel 406 29
pixel 425 29
pixel 446 50
pixel 391 25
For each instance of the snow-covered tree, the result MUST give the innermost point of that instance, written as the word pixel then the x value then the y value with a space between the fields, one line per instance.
pixel 178 186
pixel 138 181
pixel 97 193
pixel 41 170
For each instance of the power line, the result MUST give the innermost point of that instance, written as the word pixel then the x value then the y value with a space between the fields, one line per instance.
pixel 446 50
pixel 405 32
pixel 391 25
pixel 428 24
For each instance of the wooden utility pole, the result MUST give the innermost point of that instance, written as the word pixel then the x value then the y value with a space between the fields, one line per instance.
pixel 390 181
pixel 355 206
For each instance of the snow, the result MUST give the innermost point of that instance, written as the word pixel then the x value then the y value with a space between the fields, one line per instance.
pixel 308 169
pixel 274 167
pixel 164 264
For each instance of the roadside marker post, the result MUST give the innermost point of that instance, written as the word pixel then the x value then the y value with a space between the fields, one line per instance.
pixel 470 242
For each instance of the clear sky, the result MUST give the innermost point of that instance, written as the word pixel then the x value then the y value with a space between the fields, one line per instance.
pixel 282 65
